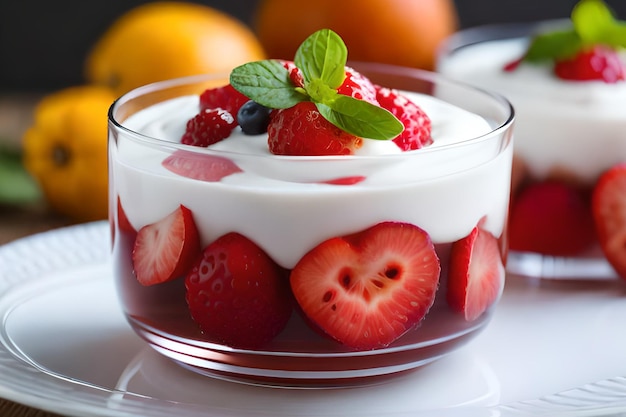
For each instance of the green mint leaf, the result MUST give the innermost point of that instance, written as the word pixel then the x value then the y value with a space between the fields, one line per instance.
pixel 16 184
pixel 320 92
pixel 616 36
pixel 593 21
pixel 361 118
pixel 322 56
pixel 553 45
pixel 266 82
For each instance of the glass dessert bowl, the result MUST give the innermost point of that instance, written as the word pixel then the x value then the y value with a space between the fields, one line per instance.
pixel 309 270
pixel 569 132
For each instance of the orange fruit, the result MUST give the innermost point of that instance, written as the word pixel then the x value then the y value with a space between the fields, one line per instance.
pixel 65 150
pixel 399 32
pixel 164 40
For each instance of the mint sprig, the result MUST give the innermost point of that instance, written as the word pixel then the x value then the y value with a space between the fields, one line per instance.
pixel 593 23
pixel 321 59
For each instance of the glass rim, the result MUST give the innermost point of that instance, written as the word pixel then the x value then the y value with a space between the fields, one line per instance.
pixel 496 31
pixel 415 73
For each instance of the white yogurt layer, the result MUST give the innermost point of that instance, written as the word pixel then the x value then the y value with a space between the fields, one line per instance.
pixel 280 203
pixel 571 125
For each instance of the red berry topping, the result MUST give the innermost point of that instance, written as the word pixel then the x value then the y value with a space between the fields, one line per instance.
pixel 165 250
pixel 295 75
pixel 609 211
pixel 358 86
pixel 208 168
pixel 476 274
pixel 417 125
pixel 237 294
pixel 208 127
pixel 225 97
pixel 599 63
pixel 552 218
pixel 301 130
pixel 368 289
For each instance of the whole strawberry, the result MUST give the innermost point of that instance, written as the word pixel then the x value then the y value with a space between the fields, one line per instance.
pixel 208 127
pixel 301 130
pixel 237 294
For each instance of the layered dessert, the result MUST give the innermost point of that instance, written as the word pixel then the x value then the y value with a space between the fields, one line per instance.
pixel 301 221
pixel 566 82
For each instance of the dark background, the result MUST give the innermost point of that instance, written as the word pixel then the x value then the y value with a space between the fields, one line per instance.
pixel 43 43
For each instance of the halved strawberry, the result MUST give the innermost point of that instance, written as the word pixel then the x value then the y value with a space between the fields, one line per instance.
pixel 608 204
pixel 417 124
pixel 552 218
pixel 200 167
pixel 367 289
pixel 225 97
pixel 237 294
pixel 165 250
pixel 475 274
pixel 302 130
pixel 600 63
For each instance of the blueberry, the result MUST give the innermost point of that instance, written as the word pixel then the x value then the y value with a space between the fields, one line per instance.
pixel 253 118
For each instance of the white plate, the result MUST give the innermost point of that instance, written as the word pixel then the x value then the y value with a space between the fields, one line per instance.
pixel 65 347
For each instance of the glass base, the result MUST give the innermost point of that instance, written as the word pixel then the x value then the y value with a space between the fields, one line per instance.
pixel 536 265
pixel 308 369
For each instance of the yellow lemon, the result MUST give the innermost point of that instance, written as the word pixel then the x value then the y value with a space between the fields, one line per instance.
pixel 164 40
pixel 65 150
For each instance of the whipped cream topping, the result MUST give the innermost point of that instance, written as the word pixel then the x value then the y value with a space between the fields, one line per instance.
pixel 283 205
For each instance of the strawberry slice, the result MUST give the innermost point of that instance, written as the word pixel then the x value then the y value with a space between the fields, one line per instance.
pixel 210 168
pixel 302 130
pixel 367 289
pixel 237 294
pixel 608 204
pixel 476 274
pixel 165 250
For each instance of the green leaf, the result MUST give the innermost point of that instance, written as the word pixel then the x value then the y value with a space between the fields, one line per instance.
pixel 16 185
pixel 553 45
pixel 593 21
pixel 266 82
pixel 322 56
pixel 361 118
pixel 617 35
